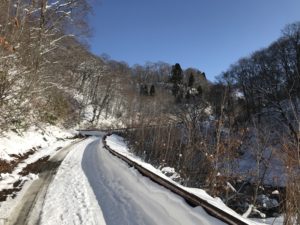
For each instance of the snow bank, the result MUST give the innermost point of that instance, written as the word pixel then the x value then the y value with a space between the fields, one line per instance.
pixel 118 144
pixel 46 142
pixel 94 187
pixel 35 137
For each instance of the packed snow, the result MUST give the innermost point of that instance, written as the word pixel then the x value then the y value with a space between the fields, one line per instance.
pixel 94 187
pixel 46 142
pixel 70 198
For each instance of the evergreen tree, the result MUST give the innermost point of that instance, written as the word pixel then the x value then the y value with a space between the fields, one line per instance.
pixel 199 89
pixel 176 79
pixel 191 80
pixel 152 90
pixel 177 75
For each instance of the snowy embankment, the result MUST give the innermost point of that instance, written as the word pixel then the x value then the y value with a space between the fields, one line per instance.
pixel 94 187
pixel 17 151
pixel 12 143
pixel 118 144
pixel 105 121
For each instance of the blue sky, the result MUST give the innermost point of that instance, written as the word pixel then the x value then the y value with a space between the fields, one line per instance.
pixel 205 34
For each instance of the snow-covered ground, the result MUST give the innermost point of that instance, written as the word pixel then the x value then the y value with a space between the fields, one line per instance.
pixel 35 137
pixel 118 144
pixel 70 199
pixel 94 187
pixel 45 141
pixel 105 121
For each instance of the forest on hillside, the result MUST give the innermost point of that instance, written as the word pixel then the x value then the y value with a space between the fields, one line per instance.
pixel 203 129
pixel 237 137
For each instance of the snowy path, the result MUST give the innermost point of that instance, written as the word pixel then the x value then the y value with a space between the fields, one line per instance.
pixel 122 194
pixel 93 187
pixel 29 207
pixel 70 199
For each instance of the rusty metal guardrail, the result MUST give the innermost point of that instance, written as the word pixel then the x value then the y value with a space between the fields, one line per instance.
pixel 190 198
pixel 121 129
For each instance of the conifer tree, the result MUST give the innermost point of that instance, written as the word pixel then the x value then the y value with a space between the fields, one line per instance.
pixel 191 80
pixel 176 79
pixel 177 75
pixel 152 90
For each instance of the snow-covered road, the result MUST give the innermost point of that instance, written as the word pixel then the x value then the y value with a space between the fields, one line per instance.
pixel 93 187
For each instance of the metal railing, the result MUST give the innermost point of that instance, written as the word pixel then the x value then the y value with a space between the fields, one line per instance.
pixel 190 198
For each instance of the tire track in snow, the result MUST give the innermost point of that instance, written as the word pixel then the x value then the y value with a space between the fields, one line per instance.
pixel 70 199
pixel 127 197
pixel 92 187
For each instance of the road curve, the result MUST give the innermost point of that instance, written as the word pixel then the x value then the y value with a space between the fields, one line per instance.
pixel 93 187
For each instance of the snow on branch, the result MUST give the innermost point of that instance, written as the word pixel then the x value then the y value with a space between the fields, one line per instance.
pixel 58 39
